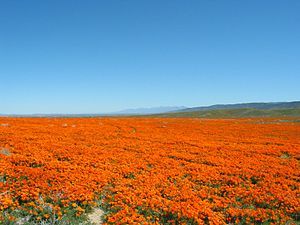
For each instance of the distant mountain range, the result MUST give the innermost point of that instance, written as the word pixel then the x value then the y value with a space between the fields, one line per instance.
pixel 136 111
pixel 153 110
pixel 242 110
pixel 256 105
pixel 182 109
pixel 269 109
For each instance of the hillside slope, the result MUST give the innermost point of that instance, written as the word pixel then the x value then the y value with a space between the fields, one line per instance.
pixel 235 113
pixel 259 105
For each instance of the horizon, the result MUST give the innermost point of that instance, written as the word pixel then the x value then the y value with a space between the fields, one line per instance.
pixel 122 111
pixel 72 57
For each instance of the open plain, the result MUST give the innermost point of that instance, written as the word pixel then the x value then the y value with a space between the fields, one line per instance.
pixel 150 170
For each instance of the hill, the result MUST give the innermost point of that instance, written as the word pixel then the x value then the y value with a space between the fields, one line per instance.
pixel 241 110
pixel 235 113
pixel 256 105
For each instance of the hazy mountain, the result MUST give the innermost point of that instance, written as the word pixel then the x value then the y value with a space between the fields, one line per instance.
pixel 229 110
pixel 152 110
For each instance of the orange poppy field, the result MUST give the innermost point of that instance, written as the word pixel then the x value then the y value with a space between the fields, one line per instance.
pixel 151 170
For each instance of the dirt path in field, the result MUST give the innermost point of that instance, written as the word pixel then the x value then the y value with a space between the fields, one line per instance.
pixel 5 151
pixel 96 216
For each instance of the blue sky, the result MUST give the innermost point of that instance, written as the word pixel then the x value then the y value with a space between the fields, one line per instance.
pixel 99 56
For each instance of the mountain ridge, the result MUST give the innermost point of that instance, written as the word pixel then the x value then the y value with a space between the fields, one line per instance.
pixel 251 105
pixel 219 110
pixel 148 110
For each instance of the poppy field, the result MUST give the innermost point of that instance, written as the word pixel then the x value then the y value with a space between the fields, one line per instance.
pixel 150 170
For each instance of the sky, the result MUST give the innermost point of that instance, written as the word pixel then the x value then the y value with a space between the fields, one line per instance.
pixel 96 56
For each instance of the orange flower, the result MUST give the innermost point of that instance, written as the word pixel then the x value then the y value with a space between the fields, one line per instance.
pixel 150 170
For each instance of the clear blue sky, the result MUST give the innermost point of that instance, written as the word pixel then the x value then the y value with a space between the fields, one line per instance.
pixel 61 56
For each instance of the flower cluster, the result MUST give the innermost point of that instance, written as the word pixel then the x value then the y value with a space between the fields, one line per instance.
pixel 152 170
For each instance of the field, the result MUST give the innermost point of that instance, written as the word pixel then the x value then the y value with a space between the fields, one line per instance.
pixel 150 170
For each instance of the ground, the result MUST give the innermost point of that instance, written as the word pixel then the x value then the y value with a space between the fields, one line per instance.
pixel 150 170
